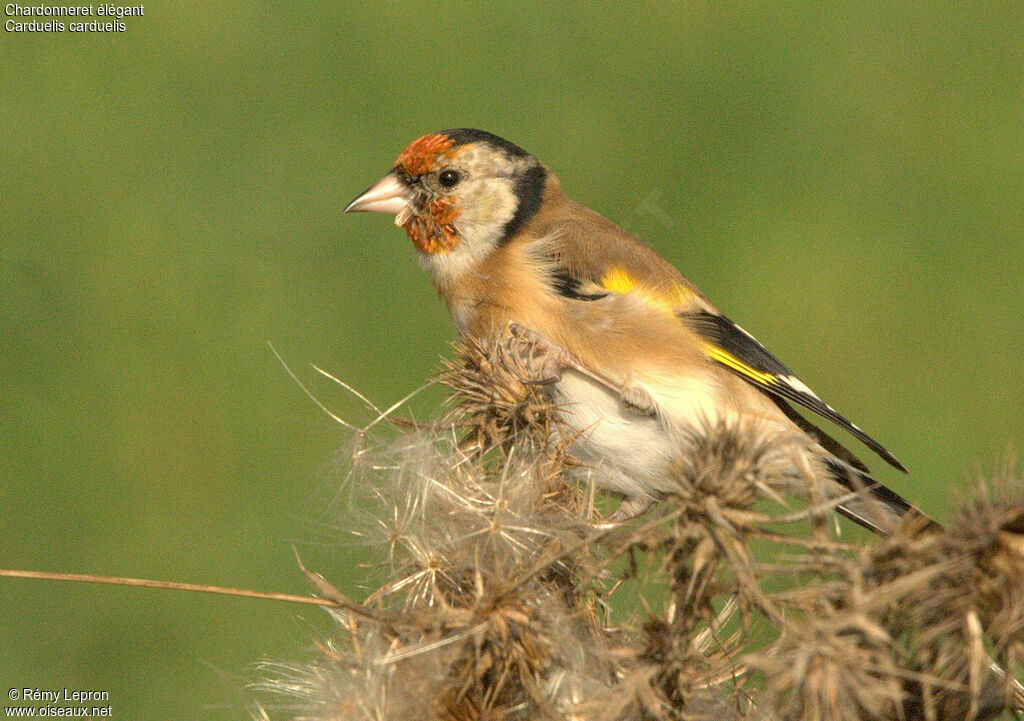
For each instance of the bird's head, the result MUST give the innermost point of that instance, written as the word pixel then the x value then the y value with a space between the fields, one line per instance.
pixel 459 194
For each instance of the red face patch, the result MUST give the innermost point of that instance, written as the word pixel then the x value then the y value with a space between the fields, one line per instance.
pixel 433 230
pixel 421 155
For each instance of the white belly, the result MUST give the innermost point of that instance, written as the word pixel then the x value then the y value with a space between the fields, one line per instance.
pixel 627 451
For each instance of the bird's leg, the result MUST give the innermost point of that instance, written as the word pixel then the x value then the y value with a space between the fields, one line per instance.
pixel 552 360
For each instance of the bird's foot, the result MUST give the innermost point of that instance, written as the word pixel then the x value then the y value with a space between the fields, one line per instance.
pixel 548 360
pixel 630 508
pixel 638 400
pixel 545 360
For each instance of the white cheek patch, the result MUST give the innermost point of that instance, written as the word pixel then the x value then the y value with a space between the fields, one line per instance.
pixel 487 204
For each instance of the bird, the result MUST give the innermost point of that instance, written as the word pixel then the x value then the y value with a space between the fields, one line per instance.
pixel 636 356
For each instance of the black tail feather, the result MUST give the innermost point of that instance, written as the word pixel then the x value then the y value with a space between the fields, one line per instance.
pixel 878 508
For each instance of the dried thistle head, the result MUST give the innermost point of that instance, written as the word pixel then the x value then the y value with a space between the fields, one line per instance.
pixel 730 465
pixel 447 516
pixel 437 664
pixel 955 602
pixel 990 529
pixel 353 677
pixel 836 665
pixel 496 399
pixel 518 647
pixel 689 668
pixel 534 655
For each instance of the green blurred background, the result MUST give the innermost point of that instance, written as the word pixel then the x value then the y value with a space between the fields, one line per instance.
pixel 844 179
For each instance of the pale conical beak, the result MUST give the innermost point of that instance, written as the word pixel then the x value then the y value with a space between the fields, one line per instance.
pixel 390 195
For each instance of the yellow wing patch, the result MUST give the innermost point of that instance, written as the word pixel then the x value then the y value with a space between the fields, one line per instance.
pixel 618 281
pixel 728 359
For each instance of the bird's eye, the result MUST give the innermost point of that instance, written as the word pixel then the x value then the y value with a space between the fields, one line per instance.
pixel 449 178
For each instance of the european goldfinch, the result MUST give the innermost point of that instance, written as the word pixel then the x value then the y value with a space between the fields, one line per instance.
pixel 640 358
